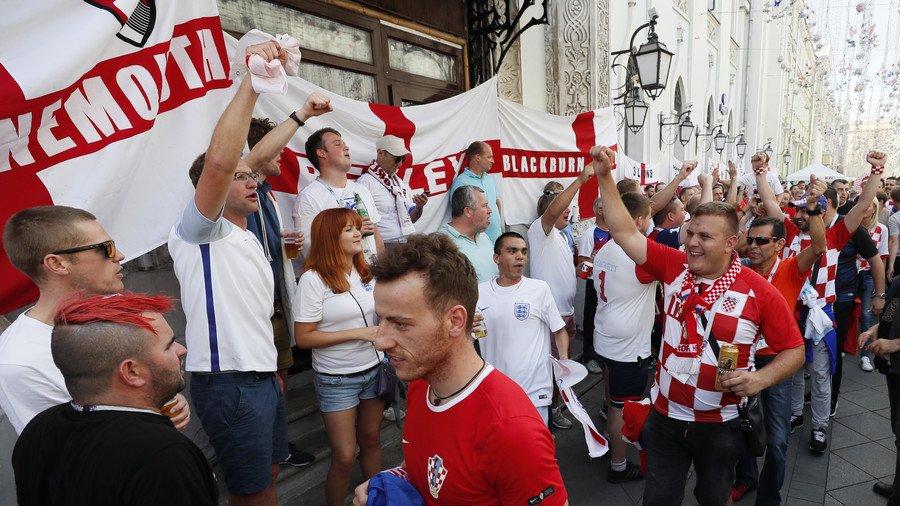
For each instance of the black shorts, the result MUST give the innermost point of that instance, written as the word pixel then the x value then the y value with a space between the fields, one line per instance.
pixel 627 380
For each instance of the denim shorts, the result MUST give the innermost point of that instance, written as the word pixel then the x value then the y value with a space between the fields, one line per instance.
pixel 244 416
pixel 340 392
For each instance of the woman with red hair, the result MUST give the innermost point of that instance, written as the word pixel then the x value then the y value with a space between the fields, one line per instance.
pixel 335 316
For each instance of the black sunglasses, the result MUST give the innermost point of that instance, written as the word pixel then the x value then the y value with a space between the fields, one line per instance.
pixel 760 241
pixel 109 246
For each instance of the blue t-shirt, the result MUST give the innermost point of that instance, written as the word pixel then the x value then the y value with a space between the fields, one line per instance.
pixel 846 281
pixel 671 237
pixel 486 183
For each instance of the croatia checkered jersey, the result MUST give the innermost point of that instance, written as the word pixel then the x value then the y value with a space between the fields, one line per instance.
pixel 750 307
pixel 879 235
pixel 836 236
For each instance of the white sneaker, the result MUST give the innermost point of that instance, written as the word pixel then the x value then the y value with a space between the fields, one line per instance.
pixel 389 414
pixel 865 363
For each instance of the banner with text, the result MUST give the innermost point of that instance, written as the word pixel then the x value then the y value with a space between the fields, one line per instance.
pixel 103 105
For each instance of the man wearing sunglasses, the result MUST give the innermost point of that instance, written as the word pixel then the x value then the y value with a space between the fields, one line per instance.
pixel 63 250
pixel 765 240
pixel 394 199
pixel 227 289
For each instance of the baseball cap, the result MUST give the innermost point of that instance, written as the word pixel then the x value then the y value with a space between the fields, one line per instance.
pixel 392 144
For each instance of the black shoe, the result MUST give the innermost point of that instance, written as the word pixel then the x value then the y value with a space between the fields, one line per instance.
pixel 883 489
pixel 632 472
pixel 818 440
pixel 834 405
pixel 298 458
pixel 796 422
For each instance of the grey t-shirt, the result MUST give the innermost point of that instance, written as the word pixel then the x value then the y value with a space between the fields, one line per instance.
pixel 894 225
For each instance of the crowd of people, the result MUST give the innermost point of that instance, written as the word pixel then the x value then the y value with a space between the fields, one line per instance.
pixel 679 278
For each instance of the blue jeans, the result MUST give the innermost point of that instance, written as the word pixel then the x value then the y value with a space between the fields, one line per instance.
pixel 776 402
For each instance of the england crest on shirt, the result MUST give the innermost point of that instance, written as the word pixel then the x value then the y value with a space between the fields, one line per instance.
pixel 521 310
pixel 437 473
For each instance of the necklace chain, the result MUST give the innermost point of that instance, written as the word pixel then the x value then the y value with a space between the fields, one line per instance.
pixel 438 399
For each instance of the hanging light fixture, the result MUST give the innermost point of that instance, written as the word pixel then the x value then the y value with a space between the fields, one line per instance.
pixel 685 130
pixel 719 141
pixel 741 146
pixel 635 109
pixel 653 61
pixel 787 157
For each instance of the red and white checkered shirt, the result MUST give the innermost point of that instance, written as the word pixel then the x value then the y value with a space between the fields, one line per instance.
pixel 879 235
pixel 836 236
pixel 749 307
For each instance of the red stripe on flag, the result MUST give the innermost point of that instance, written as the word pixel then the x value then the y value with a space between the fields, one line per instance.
pixel 10 93
pixel 16 289
pixel 396 123
pixel 585 139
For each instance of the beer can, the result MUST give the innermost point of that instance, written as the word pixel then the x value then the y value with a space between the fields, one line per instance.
pixel 586 269
pixel 728 358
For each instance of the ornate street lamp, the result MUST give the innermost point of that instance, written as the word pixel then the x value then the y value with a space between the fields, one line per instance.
pixel 685 127
pixel 719 141
pixel 787 157
pixel 635 110
pixel 651 61
pixel 741 146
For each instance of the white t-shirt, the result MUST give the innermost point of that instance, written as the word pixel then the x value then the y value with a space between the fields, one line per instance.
pixel 29 380
pixel 551 261
pixel 316 302
pixel 749 181
pixel 226 291
pixel 520 320
pixel 625 306
pixel 318 196
pixel 395 221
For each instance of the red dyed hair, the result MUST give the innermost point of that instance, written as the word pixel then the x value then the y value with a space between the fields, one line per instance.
pixel 325 254
pixel 123 309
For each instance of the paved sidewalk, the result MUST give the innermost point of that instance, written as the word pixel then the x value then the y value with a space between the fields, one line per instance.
pixel 861 450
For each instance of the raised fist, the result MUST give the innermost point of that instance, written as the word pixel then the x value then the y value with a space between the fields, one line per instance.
pixel 876 158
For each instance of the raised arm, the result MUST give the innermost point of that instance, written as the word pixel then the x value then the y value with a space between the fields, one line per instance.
pixel 564 199
pixel 706 184
pixel 732 196
pixel 618 219
pixel 854 218
pixel 274 142
pixel 766 195
pixel 808 256
pixel 662 198
pixel 228 140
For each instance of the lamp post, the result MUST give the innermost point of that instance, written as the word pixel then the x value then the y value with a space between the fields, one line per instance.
pixel 635 109
pixel 740 147
pixel 685 127
pixel 719 141
pixel 718 138
pixel 787 157
pixel 651 61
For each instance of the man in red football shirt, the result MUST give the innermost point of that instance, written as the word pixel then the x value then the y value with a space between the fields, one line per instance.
pixel 472 436
pixel 707 294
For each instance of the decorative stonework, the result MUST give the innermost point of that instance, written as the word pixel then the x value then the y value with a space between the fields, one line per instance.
pixel 509 77
pixel 551 61
pixel 601 46
pixel 681 5
pixel 712 29
pixel 733 54
pixel 577 57
pixel 575 74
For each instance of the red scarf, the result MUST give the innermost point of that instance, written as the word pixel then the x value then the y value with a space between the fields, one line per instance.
pixel 694 303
